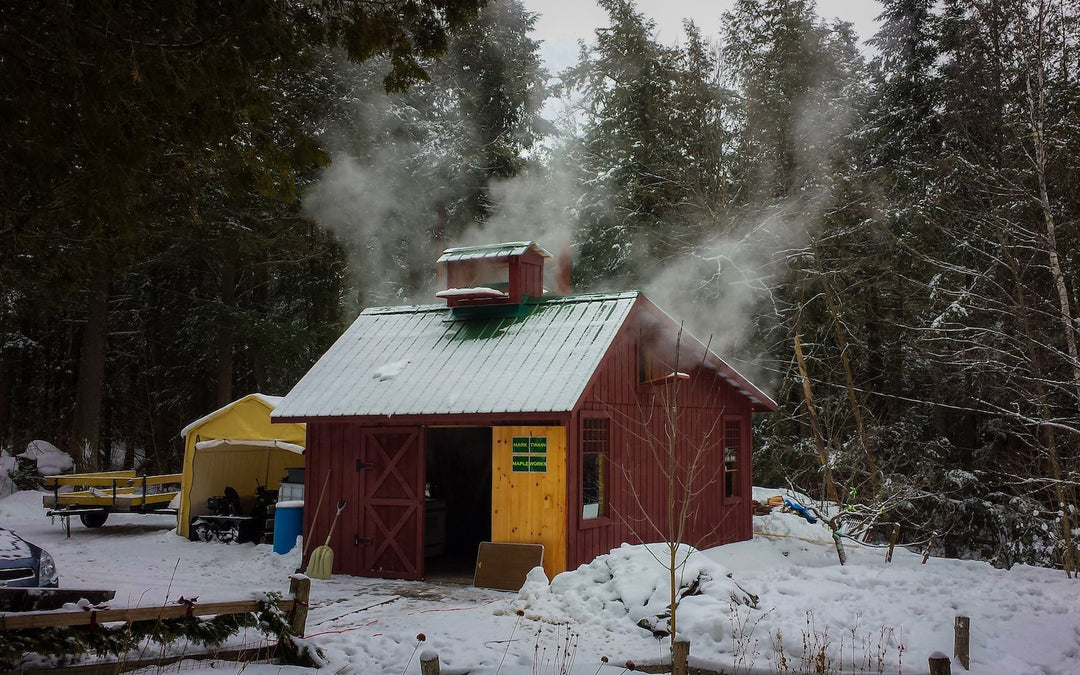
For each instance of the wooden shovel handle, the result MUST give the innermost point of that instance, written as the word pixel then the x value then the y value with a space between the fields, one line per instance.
pixel 340 508
pixel 315 516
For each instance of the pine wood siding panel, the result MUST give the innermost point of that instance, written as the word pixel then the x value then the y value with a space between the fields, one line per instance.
pixel 526 507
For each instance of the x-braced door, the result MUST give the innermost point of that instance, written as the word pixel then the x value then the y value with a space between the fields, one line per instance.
pixel 392 503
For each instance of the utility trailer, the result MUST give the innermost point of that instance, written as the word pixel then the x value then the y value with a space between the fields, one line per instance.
pixel 93 496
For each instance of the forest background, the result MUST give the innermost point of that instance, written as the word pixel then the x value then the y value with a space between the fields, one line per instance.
pixel 197 196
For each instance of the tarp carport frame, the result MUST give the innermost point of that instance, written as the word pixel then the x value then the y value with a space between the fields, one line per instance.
pixel 236 446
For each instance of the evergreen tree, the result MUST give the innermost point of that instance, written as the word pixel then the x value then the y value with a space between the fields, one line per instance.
pixel 112 115
pixel 417 168
pixel 654 149
pixel 1005 288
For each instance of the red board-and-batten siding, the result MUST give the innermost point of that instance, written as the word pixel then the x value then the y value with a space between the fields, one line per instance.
pixel 707 401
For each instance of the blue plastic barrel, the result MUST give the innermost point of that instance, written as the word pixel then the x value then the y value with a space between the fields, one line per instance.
pixel 288 525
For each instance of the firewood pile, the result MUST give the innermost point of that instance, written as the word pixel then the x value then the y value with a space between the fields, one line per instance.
pixel 765 508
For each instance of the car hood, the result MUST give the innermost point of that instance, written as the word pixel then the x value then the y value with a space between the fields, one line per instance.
pixel 12 547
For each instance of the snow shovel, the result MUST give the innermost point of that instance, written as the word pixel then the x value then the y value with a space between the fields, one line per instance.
pixel 321 563
pixel 314 519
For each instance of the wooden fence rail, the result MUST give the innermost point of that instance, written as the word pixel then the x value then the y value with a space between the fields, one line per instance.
pixel 296 609
pixel 93 617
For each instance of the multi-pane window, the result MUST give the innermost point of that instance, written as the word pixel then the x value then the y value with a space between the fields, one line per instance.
pixel 732 447
pixel 595 450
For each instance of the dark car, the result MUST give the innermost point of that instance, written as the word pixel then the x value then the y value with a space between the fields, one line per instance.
pixel 24 565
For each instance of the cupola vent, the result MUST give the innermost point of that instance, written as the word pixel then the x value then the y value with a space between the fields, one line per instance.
pixel 498 274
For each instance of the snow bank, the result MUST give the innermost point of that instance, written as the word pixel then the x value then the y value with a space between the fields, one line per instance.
pixel 874 614
pixel 7 467
pixel 46 457
pixel 51 461
pixel 626 591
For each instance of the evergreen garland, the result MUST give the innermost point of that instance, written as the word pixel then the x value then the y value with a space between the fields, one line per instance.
pixel 66 644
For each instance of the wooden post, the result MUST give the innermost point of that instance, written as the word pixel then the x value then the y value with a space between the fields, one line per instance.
pixel 940 664
pixel 894 534
pixel 929 545
pixel 680 657
pixel 300 589
pixel 429 662
pixel 961 638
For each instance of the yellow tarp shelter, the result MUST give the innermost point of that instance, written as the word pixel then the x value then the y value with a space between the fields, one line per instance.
pixel 236 446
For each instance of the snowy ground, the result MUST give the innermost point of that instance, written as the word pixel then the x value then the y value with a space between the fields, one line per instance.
pixel 1026 620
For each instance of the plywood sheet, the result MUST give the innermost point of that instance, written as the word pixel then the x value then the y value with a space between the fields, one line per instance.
pixel 504 566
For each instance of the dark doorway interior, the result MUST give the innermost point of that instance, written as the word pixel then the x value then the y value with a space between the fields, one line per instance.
pixel 458 506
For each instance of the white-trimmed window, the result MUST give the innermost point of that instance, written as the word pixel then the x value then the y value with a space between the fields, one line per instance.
pixel 732 452
pixel 595 457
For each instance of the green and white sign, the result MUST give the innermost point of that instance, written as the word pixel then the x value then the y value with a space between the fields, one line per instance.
pixel 529 454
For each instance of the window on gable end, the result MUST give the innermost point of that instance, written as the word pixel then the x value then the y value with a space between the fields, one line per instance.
pixel 652 366
pixel 732 454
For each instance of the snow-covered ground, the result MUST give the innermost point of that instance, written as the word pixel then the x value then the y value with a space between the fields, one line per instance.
pixel 1025 620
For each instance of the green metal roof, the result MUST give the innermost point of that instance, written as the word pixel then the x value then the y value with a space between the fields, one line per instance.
pixel 425 360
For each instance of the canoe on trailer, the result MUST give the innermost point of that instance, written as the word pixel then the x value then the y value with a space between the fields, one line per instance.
pixel 93 496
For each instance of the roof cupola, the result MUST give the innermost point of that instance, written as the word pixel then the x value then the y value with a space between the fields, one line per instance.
pixel 497 274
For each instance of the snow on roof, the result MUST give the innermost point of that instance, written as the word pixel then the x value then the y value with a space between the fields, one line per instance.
pixel 420 360
pixel 491 251
pixel 271 401
pixel 472 292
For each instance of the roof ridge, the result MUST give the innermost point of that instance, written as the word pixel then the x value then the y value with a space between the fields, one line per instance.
pixel 547 299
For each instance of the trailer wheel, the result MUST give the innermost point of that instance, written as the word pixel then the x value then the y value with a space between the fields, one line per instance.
pixel 96 519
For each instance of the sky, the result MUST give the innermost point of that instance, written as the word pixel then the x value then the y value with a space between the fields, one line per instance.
pixel 563 22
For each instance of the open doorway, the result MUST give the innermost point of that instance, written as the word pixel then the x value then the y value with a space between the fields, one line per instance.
pixel 458 504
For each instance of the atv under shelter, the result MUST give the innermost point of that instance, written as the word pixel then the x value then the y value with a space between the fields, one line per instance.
pixel 236 446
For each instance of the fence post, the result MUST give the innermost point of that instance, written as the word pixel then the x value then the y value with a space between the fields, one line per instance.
pixel 940 664
pixel 961 639
pixel 300 589
pixel 929 545
pixel 429 662
pixel 894 534
pixel 680 656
